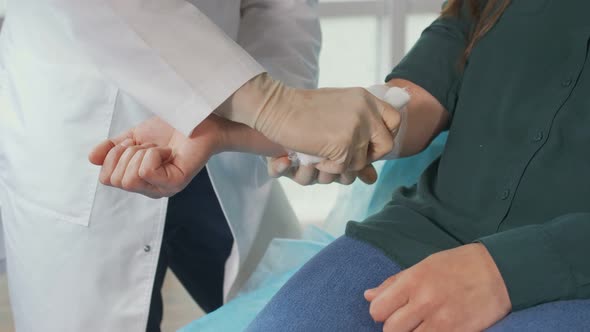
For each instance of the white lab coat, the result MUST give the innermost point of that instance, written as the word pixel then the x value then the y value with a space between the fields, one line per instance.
pixel 82 256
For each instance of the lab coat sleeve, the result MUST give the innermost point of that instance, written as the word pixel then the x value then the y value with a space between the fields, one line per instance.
pixel 167 55
pixel 434 63
pixel 285 37
pixel 545 262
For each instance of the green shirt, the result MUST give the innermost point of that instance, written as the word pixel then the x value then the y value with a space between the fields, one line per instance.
pixel 514 174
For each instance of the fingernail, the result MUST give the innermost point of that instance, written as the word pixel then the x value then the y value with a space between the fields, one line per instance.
pixel 127 143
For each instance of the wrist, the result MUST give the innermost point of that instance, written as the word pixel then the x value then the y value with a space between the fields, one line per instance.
pixel 246 104
pixel 494 277
pixel 210 134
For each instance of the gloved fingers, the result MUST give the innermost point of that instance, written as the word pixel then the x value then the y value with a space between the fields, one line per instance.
pixel 278 167
pixel 381 144
pixel 359 159
pixel 305 175
pixel 111 160
pixel 368 174
pixel 123 162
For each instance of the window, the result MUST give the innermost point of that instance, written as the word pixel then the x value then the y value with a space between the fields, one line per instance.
pixel 362 40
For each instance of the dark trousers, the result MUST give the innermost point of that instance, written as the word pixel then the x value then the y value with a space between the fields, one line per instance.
pixel 197 242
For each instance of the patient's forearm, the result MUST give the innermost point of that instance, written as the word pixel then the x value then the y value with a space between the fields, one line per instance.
pixel 425 117
pixel 241 138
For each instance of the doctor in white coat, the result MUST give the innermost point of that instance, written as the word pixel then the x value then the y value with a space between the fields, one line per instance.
pixel 83 256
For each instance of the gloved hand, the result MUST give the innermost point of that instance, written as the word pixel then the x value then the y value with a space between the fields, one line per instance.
pixel 307 174
pixel 396 97
pixel 349 127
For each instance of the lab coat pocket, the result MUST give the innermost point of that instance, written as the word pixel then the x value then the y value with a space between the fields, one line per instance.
pixel 60 112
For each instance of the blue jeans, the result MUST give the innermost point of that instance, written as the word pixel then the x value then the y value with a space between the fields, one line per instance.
pixel 327 295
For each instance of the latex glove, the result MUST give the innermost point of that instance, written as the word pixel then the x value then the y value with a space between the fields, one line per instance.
pixel 349 127
pixel 460 289
pixel 154 159
pixel 397 98
pixel 308 174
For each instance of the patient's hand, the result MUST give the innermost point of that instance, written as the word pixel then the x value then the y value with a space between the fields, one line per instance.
pixel 156 160
pixel 307 175
pixel 454 290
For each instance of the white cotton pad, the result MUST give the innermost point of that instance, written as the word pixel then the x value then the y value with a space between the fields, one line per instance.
pixel 298 158
pixel 396 97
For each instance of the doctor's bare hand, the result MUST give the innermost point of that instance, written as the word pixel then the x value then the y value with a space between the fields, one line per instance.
pixel 459 289
pixel 349 127
pixel 156 160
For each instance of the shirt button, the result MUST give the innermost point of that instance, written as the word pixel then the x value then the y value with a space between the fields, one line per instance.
pixel 147 248
pixel 566 83
pixel 538 137
pixel 505 194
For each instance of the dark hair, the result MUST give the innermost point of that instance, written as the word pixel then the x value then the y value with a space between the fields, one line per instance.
pixel 484 16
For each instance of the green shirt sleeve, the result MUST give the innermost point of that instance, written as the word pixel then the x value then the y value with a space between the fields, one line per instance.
pixel 545 262
pixel 434 63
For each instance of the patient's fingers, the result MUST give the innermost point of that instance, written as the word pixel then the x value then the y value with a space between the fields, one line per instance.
pixel 278 167
pixel 359 160
pixel 326 178
pixel 388 301
pixel 305 175
pixel 406 318
pixel 370 294
pixel 347 178
pixel 332 167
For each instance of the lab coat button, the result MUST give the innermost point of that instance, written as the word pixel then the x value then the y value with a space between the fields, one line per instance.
pixel 538 137
pixel 147 248
pixel 505 194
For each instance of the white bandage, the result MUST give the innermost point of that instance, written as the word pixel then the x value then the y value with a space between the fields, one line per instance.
pixel 396 97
